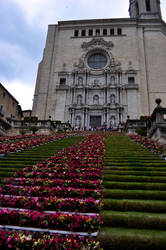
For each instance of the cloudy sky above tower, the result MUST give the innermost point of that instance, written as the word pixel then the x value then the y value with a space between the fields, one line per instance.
pixel 23 29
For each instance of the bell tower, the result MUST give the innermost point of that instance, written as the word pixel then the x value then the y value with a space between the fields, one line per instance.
pixel 145 9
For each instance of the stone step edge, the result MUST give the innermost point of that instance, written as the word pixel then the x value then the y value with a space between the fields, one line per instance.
pixel 6 227
pixel 48 212
pixel 19 196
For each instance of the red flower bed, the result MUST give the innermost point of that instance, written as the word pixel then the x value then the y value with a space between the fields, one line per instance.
pixel 74 183
pixel 151 145
pixel 54 221
pixel 19 137
pixel 6 148
pixel 47 192
pixel 70 181
pixel 39 241
pixel 51 203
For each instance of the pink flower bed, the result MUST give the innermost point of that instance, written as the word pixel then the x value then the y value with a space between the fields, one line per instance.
pixel 68 185
pixel 39 241
pixel 154 147
pixel 54 221
pixel 19 137
pixel 6 148
pixel 51 203
pixel 74 183
pixel 47 192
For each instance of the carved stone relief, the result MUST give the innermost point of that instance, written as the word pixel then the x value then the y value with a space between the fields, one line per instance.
pixel 97 42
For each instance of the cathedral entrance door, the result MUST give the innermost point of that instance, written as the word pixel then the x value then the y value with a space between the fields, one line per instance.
pixel 95 121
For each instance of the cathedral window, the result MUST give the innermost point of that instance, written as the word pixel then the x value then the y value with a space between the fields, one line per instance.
pixel 131 80
pixel 79 99
pixel 96 100
pixel 90 32
pixel 83 32
pixel 105 32
pixel 148 8
pixel 112 32
pixel 119 31
pixel 97 61
pixel 76 33
pixel 62 81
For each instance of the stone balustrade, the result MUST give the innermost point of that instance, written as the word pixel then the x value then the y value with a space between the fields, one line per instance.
pixel 156 127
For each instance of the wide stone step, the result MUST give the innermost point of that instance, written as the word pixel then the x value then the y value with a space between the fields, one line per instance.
pixel 131 239
pixel 135 205
pixel 134 185
pixel 134 194
pixel 134 178
pixel 132 219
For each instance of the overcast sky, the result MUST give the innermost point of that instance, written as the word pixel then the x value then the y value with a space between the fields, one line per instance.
pixel 23 29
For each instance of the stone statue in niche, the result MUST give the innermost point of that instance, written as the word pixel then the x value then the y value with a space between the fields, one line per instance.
pixel 112 122
pixel 112 99
pixel 130 67
pixel 80 81
pixel 79 99
pixel 96 83
pixel 112 80
pixel 96 100
pixel 80 65
pixel 78 122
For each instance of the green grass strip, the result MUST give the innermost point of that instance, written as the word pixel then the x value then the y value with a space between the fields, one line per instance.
pixel 132 219
pixel 131 178
pixel 135 205
pixel 134 194
pixel 134 185
pixel 132 239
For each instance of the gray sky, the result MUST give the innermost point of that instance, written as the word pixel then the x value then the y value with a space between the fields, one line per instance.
pixel 23 30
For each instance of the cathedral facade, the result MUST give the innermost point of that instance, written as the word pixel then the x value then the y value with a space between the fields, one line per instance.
pixel 98 72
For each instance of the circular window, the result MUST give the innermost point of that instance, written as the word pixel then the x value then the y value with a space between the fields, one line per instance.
pixel 97 61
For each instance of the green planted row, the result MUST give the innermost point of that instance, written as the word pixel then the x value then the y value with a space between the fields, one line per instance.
pixel 131 178
pixel 132 239
pixel 134 194
pixel 20 160
pixel 133 219
pixel 135 205
pixel 134 185
pixel 134 201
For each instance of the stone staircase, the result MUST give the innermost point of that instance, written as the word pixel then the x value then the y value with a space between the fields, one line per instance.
pixel 134 197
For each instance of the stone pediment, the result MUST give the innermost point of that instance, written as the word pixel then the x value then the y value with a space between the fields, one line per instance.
pixel 96 42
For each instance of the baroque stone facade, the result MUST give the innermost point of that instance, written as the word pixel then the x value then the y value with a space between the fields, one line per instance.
pixel 97 72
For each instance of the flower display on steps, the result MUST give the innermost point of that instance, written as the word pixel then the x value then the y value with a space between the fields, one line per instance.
pixel 150 144
pixel 61 193
pixel 29 142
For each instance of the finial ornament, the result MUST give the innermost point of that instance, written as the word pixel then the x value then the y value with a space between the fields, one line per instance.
pixel 158 101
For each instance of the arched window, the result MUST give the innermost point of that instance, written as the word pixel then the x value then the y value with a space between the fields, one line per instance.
pixel 148 8
pixel 78 121
pixel 79 99
pixel 96 100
